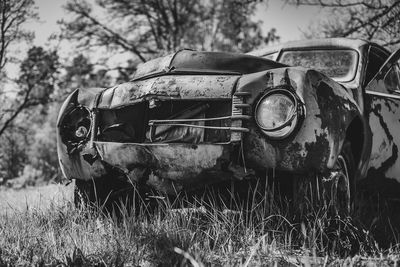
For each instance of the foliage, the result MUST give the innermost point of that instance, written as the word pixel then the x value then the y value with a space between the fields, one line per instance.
pixel 25 117
pixel 13 15
pixel 81 73
pixel 147 29
pixel 28 147
pixel 38 75
pixel 35 85
pixel 42 147
pixel 376 20
pixel 12 153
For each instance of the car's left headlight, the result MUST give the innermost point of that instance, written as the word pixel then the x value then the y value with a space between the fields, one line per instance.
pixel 276 113
pixel 75 127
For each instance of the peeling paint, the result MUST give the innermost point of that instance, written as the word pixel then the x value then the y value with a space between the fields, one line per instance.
pixel 185 159
pixel 169 87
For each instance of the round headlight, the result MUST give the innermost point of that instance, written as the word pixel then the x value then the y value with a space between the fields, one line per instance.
pixel 75 126
pixel 276 114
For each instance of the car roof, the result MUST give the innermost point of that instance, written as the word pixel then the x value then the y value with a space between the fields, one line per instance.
pixel 309 43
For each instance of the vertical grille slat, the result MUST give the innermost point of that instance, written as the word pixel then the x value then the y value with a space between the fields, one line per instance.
pixel 236 111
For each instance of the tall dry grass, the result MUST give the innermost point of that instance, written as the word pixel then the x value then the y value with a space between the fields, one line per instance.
pixel 267 232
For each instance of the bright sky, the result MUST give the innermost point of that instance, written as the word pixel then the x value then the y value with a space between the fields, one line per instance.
pixel 288 20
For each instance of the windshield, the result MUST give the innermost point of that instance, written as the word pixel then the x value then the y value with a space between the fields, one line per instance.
pixel 339 65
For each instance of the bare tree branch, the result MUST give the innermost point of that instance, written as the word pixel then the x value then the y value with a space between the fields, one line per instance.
pixel 376 20
pixel 13 14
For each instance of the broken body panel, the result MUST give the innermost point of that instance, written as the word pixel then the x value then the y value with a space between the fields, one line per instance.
pixel 186 152
pixel 188 120
pixel 382 105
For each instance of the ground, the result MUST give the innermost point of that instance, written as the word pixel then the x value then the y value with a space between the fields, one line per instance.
pixel 40 225
pixel 40 197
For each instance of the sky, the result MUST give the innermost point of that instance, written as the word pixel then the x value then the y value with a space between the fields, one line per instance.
pixel 289 21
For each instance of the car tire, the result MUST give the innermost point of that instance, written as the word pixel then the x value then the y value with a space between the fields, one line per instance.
pixel 334 190
pixel 342 188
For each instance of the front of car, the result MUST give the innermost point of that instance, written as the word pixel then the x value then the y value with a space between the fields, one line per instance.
pixel 197 118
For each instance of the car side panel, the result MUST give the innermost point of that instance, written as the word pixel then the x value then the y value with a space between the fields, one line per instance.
pixel 383 113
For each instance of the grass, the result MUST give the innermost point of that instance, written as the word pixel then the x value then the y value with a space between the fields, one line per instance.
pixel 58 234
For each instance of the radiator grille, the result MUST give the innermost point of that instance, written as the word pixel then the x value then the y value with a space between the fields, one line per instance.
pixel 183 121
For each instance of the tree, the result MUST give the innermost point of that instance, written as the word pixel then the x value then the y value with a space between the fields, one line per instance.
pixel 27 138
pixel 376 20
pixel 81 73
pixel 35 85
pixel 13 14
pixel 151 28
pixel 12 153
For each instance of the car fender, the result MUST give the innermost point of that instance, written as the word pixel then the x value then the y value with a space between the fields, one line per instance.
pixel 316 143
pixel 72 164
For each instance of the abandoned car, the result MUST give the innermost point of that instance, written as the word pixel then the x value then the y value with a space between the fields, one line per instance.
pixel 326 109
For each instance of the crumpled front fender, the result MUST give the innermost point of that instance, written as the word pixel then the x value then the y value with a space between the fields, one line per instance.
pixel 72 165
pixel 170 168
pixel 317 141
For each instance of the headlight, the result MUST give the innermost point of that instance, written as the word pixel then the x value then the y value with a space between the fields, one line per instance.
pixel 75 126
pixel 276 113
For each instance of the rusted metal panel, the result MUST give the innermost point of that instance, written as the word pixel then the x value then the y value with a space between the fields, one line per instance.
pixel 72 165
pixel 384 120
pixel 167 87
pixel 221 62
pixel 158 65
pixel 361 46
pixel 316 144
pixel 200 62
pixel 329 109
pixel 168 167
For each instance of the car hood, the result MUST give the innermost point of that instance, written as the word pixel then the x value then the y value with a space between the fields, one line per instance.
pixel 185 75
pixel 195 62
pixel 169 87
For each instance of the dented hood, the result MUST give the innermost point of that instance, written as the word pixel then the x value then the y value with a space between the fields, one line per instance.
pixel 169 87
pixel 196 62
pixel 185 75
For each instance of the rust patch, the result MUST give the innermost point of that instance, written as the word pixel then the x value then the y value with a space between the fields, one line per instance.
pixel 172 167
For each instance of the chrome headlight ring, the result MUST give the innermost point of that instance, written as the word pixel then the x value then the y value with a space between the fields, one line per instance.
pixel 277 113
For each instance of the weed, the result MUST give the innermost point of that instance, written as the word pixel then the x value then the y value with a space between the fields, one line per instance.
pixel 261 231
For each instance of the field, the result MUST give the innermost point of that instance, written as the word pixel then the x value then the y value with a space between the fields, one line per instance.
pixel 40 226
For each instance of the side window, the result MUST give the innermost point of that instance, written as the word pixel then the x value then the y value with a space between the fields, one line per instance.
pixel 392 79
pixel 376 58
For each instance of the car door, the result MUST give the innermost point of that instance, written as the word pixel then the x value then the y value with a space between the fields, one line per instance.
pixel 382 106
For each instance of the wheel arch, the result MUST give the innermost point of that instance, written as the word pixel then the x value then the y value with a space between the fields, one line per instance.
pixel 357 135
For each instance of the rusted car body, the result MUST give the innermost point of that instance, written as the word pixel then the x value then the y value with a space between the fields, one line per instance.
pixel 198 118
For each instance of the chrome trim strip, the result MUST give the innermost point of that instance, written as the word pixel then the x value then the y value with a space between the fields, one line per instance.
pixel 242 105
pixel 242 94
pixel 233 117
pixel 382 94
pixel 235 129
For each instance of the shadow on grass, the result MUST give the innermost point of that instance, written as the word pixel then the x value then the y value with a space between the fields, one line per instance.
pixel 262 228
